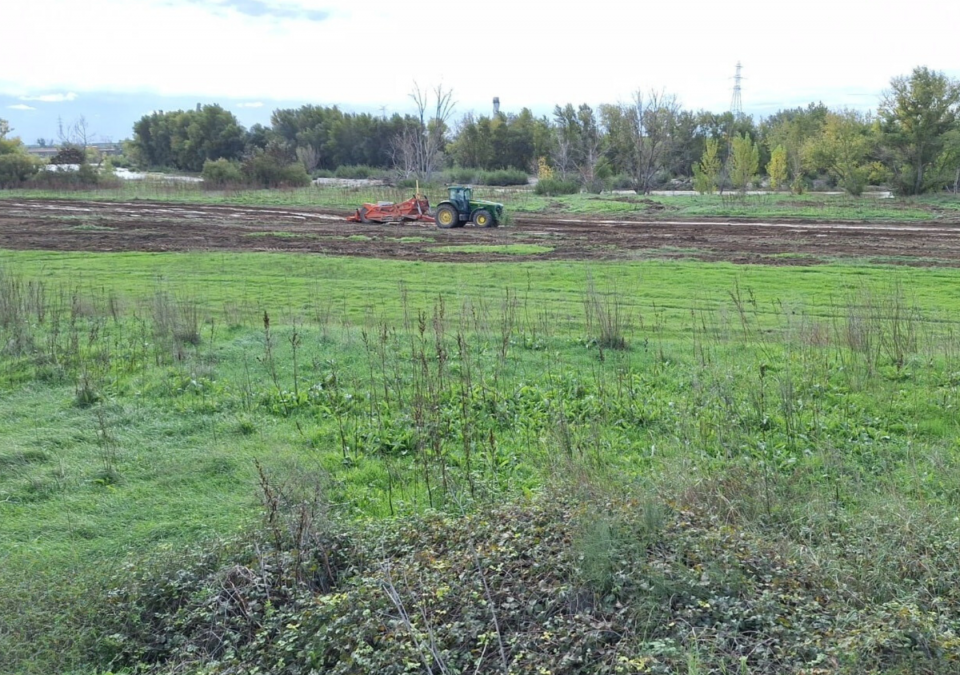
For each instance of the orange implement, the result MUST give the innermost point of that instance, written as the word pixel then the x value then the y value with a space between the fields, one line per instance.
pixel 388 212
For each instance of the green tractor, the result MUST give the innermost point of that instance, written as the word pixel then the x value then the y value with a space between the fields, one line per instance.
pixel 462 208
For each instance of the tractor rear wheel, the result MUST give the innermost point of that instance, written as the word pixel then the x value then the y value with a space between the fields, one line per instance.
pixel 363 215
pixel 482 218
pixel 447 217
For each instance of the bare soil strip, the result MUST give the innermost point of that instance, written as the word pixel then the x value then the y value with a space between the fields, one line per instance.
pixel 63 225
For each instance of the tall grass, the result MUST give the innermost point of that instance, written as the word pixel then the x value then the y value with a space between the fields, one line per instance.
pixel 151 410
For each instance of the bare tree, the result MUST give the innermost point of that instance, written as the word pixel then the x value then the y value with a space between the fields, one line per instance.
pixel 561 154
pixel 82 134
pixel 579 142
pixel 419 148
pixel 78 133
pixel 643 135
pixel 309 156
pixel 405 151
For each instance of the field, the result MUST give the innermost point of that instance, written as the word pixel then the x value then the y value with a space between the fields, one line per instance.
pixel 558 233
pixel 773 392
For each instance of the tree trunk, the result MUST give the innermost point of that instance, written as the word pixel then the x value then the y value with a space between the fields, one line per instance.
pixel 919 181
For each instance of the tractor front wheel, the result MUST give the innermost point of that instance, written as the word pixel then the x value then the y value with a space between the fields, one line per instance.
pixel 447 217
pixel 483 218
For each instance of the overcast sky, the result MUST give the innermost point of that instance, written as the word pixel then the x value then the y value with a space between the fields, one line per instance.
pixel 68 56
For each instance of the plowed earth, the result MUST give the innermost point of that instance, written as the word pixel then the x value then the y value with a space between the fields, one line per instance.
pixel 63 225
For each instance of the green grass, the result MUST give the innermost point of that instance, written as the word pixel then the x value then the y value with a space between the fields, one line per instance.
pixel 414 240
pixel 772 206
pixel 356 289
pixel 509 249
pixel 137 391
pixel 283 235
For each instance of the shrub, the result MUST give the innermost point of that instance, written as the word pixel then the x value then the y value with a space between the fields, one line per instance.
pixel 502 177
pixel 17 168
pixel 459 174
pixel 557 186
pixel 618 182
pixel 221 172
pixel 86 176
pixel 267 170
pixel 294 175
pixel 69 154
pixel 354 172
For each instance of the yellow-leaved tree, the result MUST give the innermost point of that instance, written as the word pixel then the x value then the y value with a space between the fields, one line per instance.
pixel 777 167
pixel 706 174
pixel 744 161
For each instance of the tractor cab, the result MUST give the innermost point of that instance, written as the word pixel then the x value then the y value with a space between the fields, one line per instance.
pixel 461 196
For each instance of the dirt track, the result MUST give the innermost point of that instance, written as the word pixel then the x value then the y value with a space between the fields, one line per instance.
pixel 145 226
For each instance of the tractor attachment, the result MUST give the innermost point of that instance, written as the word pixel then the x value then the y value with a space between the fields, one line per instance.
pixel 414 209
pixel 388 212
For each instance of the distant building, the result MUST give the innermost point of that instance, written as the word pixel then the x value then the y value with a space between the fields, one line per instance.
pixel 48 151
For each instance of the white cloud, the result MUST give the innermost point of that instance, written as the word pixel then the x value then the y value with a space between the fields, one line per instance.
pixel 20 106
pixel 362 55
pixel 254 104
pixel 51 98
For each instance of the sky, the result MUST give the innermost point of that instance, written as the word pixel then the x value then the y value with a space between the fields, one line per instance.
pixel 113 61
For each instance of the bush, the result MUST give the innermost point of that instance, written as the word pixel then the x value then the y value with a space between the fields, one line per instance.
pixel 266 170
pixel 500 177
pixel 412 183
pixel 357 172
pixel 636 581
pixel 294 175
pixel 461 175
pixel 121 162
pixel 556 186
pixel 69 154
pixel 86 176
pixel 618 182
pixel 221 172
pixel 503 177
pixel 17 168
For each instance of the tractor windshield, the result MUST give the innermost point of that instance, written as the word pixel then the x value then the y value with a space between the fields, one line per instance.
pixel 468 193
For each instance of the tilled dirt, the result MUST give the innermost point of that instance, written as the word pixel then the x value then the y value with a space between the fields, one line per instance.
pixel 62 225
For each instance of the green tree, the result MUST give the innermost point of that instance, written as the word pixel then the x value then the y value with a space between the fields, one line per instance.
pixel 16 165
pixel 777 167
pixel 843 150
pixel 706 174
pixel 744 161
pixel 186 139
pixel 792 128
pixel 949 163
pixel 915 116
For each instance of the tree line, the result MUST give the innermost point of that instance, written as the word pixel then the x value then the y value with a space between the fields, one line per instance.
pixel 911 142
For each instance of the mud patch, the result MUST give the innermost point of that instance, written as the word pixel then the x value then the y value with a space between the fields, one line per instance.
pixel 77 225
